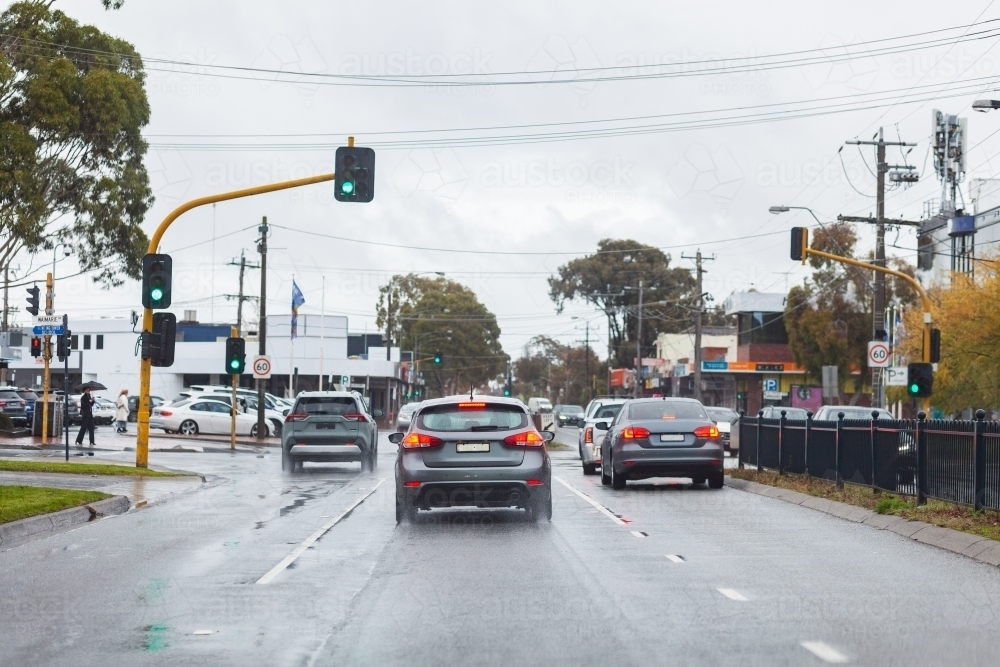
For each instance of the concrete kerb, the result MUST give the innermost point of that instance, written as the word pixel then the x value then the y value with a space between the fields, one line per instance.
pixel 16 531
pixel 978 548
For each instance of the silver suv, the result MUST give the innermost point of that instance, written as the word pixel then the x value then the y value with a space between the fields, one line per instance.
pixel 329 426
pixel 590 439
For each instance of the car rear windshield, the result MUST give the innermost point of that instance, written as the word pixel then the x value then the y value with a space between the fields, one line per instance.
pixel 8 395
pixel 608 411
pixel 572 410
pixel 666 410
pixel 488 418
pixel 725 414
pixel 409 407
pixel 325 405
pixel 28 395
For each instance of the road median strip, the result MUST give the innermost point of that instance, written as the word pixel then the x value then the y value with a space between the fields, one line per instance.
pixel 26 511
pixel 973 545
pixel 8 465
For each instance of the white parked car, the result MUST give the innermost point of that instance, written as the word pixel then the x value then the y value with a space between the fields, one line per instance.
pixel 247 403
pixel 104 411
pixel 202 416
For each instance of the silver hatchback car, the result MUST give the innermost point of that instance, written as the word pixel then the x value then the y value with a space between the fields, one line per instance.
pixel 661 437
pixel 472 452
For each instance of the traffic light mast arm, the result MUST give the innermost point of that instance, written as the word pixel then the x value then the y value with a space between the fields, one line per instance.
pixel 145 365
pixel 899 274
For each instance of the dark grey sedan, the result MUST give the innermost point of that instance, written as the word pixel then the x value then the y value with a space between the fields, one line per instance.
pixel 661 437
pixel 479 452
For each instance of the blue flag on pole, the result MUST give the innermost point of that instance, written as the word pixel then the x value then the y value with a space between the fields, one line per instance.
pixel 297 300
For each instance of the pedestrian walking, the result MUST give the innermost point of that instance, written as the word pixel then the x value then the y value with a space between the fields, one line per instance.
pixel 121 411
pixel 86 417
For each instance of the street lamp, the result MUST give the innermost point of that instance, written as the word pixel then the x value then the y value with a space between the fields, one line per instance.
pixel 66 253
pixel 785 209
pixel 985 105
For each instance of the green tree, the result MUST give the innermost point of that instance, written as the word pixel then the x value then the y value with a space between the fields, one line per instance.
pixel 600 280
pixel 558 372
pixel 72 109
pixel 431 315
pixel 829 318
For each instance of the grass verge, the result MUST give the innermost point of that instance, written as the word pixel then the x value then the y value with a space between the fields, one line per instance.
pixel 81 468
pixel 21 502
pixel 937 513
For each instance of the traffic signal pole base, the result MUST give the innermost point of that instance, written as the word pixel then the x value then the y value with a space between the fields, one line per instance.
pixel 145 366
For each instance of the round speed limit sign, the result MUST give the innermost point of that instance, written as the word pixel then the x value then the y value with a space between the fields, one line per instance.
pixel 878 354
pixel 261 367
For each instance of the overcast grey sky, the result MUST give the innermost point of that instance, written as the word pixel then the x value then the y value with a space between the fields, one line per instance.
pixel 707 188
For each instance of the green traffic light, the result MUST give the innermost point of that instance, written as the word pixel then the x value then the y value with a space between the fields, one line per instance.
pixel 156 294
pixel 234 363
pixel 347 187
pixel 914 388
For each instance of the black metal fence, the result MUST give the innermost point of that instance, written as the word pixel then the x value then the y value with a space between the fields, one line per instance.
pixel 957 461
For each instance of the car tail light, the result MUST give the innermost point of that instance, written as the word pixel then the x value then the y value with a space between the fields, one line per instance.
pixel 164 413
pixel 295 417
pixel 588 435
pixel 635 433
pixel 525 439
pixel 412 485
pixel 535 482
pixel 710 432
pixel 472 405
pixel 3 403
pixel 355 417
pixel 418 440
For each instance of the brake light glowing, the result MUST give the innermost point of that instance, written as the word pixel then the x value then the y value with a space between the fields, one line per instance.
pixel 709 432
pixel 535 482
pixel 165 413
pixel 296 417
pixel 525 439
pixel 635 433
pixel 472 405
pixel 412 485
pixel 354 417
pixel 418 440
pixel 588 435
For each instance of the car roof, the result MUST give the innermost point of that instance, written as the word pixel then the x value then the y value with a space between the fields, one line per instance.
pixel 464 398
pixel 341 394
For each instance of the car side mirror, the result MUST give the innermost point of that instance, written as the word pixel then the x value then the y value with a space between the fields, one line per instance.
pixel 377 413
pixel 601 426
pixel 549 436
pixel 396 438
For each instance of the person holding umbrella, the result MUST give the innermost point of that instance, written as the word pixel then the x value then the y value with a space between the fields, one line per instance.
pixel 87 411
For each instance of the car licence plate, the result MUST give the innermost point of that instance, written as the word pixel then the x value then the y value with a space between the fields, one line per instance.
pixel 672 437
pixel 326 425
pixel 473 447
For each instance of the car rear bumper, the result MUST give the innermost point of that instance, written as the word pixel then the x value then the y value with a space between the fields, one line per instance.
pixel 634 462
pixel 591 453
pixel 495 486
pixel 326 452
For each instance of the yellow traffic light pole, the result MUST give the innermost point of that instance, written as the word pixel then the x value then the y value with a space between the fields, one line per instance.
pixel 806 251
pixel 145 365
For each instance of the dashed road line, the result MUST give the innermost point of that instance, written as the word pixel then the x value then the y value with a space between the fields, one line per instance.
pixel 639 533
pixel 732 594
pixel 299 550
pixel 673 558
pixel 825 652
pixel 600 508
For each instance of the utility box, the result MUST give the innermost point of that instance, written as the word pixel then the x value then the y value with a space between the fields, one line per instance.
pixel 55 418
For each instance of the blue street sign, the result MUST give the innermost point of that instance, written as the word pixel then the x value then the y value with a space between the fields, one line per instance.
pixel 47 330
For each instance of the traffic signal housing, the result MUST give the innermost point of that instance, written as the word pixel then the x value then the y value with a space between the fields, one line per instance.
pixel 236 357
pixel 165 326
pixel 33 292
pixel 355 180
pixel 920 380
pixel 800 243
pixel 36 346
pixel 63 345
pixel 156 280
pixel 438 358
pixel 935 346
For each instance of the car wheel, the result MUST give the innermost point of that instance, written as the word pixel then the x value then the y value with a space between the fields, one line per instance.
pixel 697 481
pixel 366 462
pixel 405 511
pixel 287 463
pixel 617 481
pixel 275 428
pixel 253 431
pixel 188 427
pixel 716 480
pixel 374 457
pixel 297 466
pixel 589 469
pixel 542 508
pixel 605 478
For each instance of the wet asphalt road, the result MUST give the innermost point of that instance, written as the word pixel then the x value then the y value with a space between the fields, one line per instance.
pixel 670 575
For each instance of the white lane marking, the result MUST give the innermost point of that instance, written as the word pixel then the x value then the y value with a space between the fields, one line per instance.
pixel 600 508
pixel 825 652
pixel 674 559
pixel 732 594
pixel 202 633
pixel 299 550
pixel 639 533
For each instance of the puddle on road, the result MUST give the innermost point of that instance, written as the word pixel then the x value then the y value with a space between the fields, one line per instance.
pixel 155 637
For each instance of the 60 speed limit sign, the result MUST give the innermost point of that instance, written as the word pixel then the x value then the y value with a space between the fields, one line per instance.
pixel 878 354
pixel 261 367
